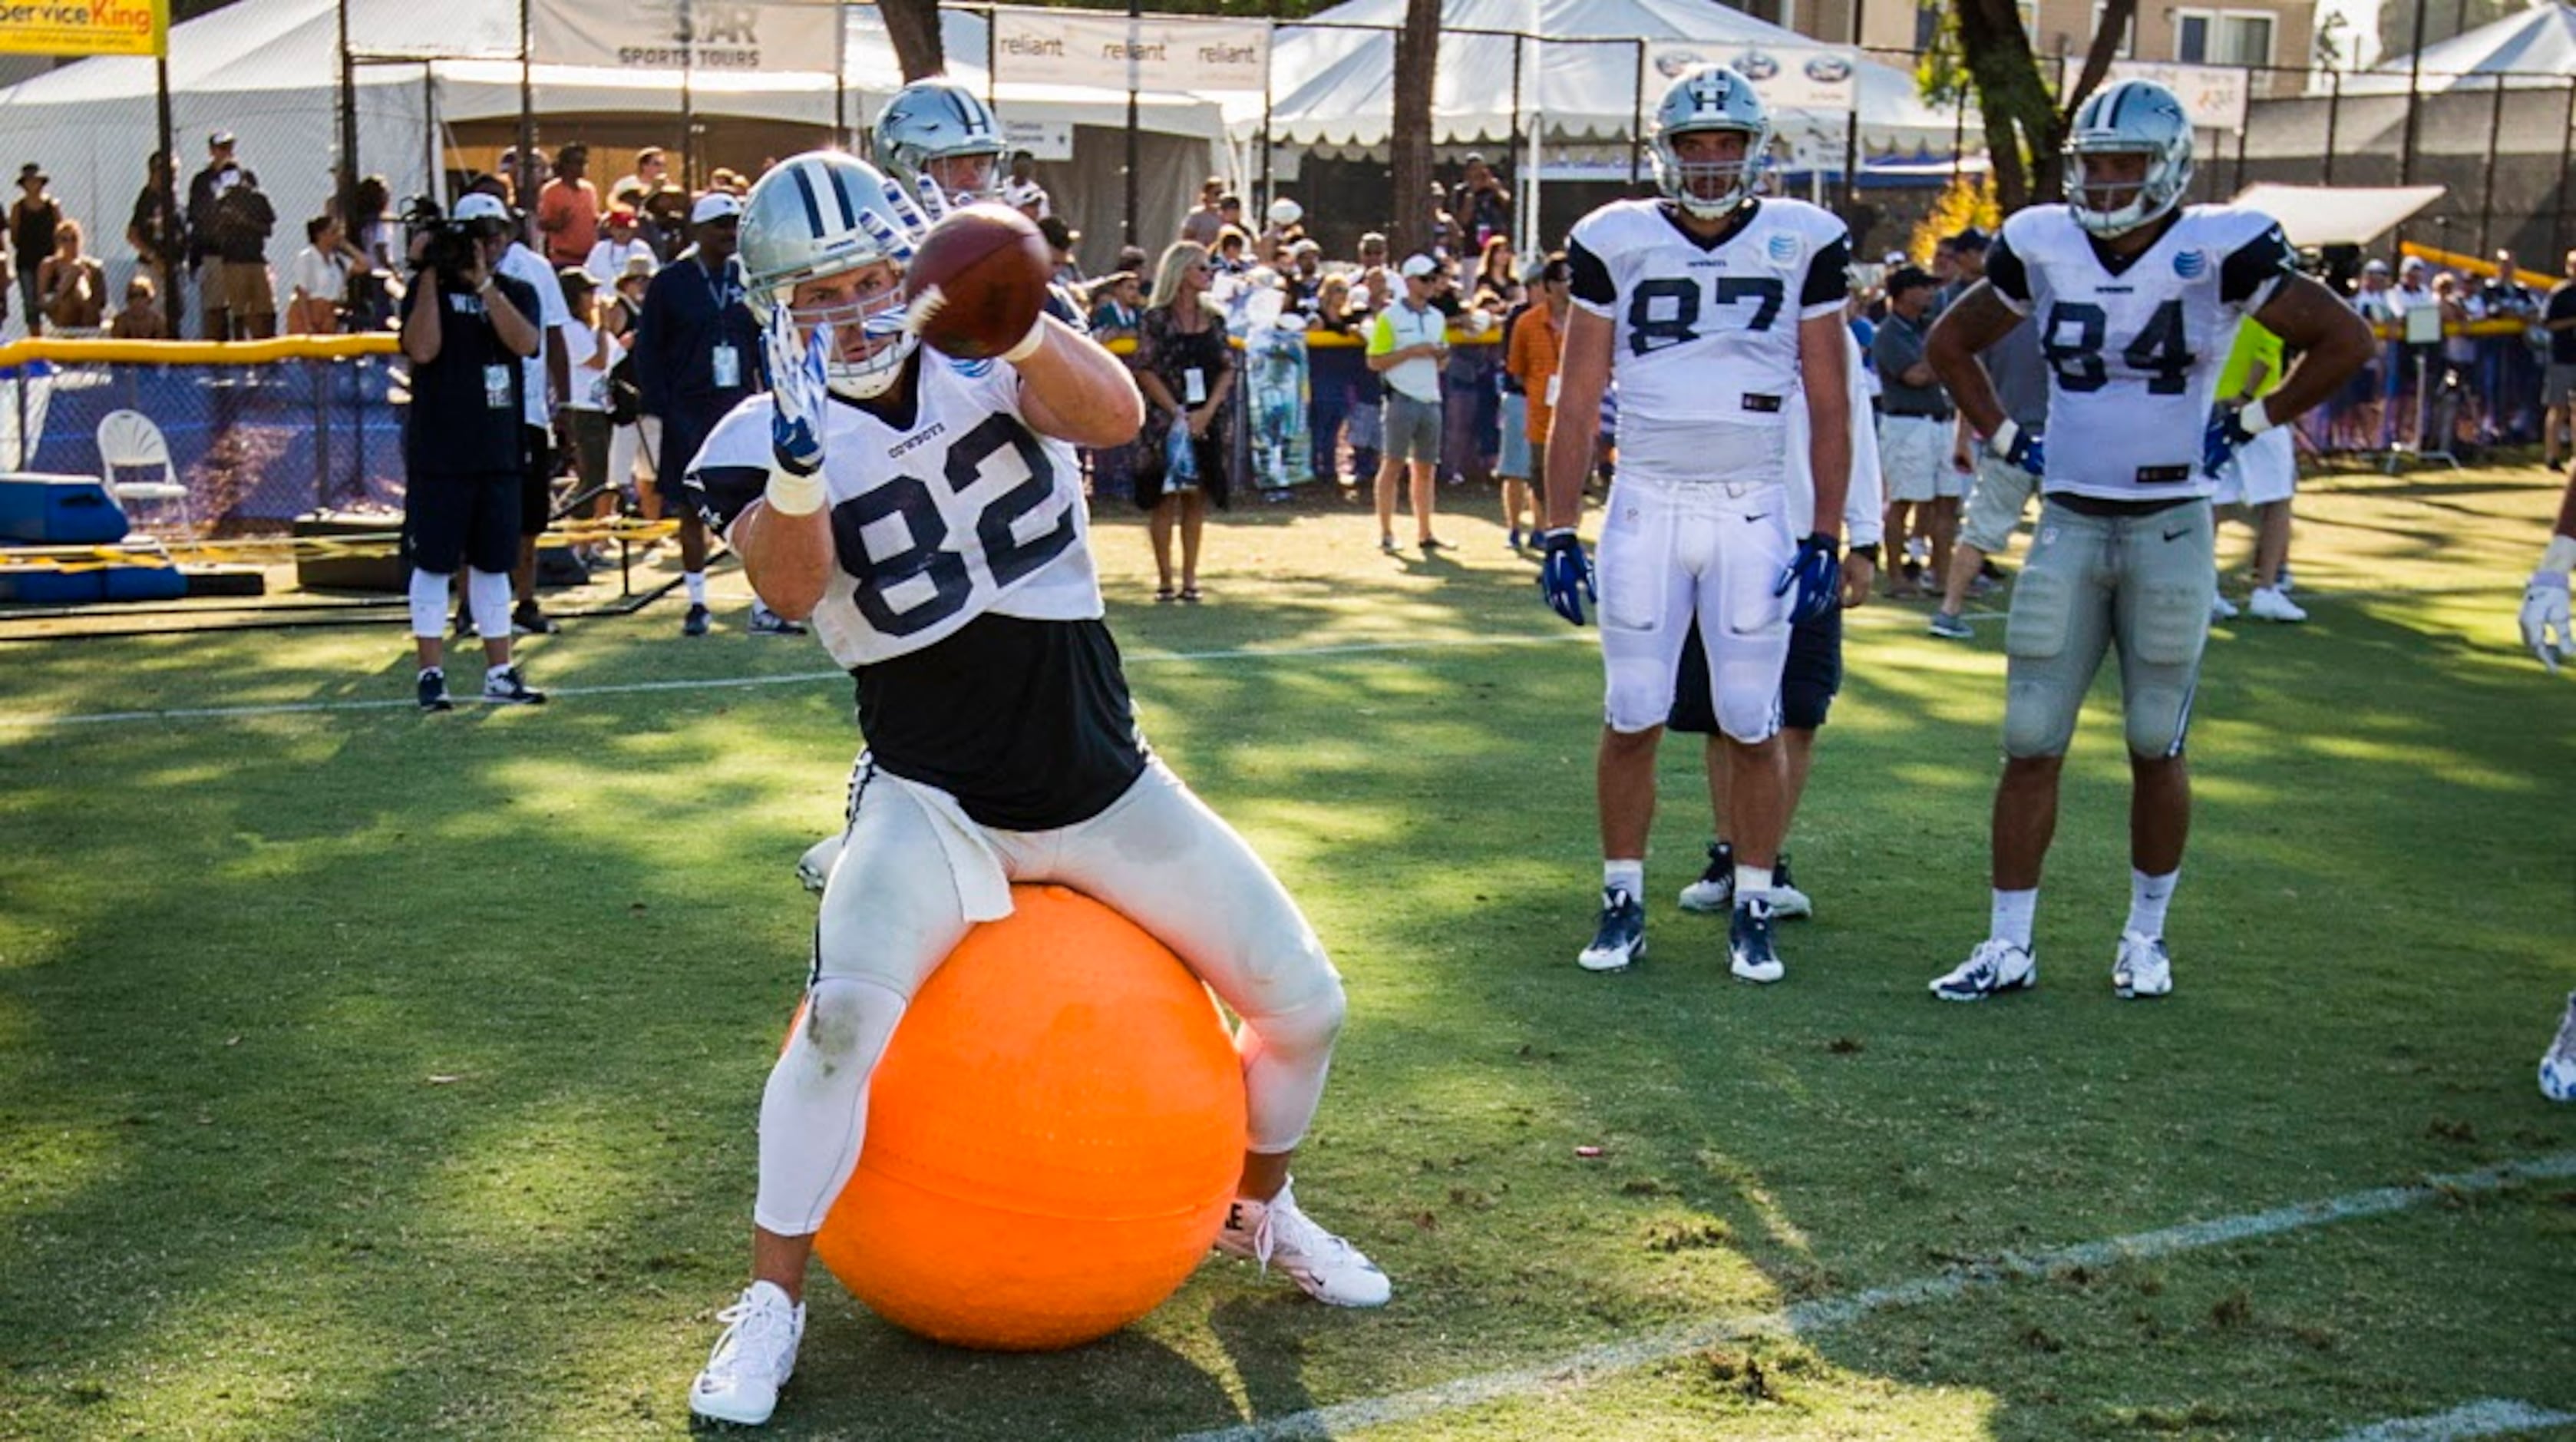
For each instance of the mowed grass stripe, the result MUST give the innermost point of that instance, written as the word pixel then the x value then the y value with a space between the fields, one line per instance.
pixel 1828 1314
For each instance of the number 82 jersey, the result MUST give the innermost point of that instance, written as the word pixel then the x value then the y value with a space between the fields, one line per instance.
pixel 2134 353
pixel 938 516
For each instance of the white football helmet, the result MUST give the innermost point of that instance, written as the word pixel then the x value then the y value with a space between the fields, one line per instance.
pixel 1712 97
pixel 2133 117
pixel 938 119
pixel 821 214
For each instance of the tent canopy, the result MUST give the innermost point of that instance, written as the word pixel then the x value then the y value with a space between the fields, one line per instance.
pixel 1335 88
pixel 2337 214
pixel 268 71
pixel 2539 43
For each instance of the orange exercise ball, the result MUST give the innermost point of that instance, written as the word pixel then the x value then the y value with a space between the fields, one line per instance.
pixel 1053 1138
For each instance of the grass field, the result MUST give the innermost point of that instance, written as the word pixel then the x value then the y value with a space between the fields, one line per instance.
pixel 371 1075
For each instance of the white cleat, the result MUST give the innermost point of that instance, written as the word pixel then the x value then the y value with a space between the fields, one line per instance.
pixel 2268 604
pixel 1277 1233
pixel 1995 967
pixel 2221 608
pixel 2558 1066
pixel 2143 968
pixel 752 1359
pixel 814 868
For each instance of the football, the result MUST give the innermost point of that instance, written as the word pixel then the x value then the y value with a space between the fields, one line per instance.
pixel 990 266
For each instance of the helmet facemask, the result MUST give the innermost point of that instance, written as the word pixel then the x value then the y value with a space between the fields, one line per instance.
pixel 1711 189
pixel 870 342
pixel 2133 118
pixel 820 216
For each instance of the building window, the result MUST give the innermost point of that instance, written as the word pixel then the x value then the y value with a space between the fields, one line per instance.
pixel 2223 37
pixel 2128 39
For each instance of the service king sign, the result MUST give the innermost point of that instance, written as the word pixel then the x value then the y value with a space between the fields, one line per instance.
pixel 85 27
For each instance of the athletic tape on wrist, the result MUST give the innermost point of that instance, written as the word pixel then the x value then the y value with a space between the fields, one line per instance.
pixel 1029 343
pixel 2001 442
pixel 2560 556
pixel 792 494
pixel 2254 420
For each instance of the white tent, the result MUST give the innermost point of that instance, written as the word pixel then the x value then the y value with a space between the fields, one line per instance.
pixel 2536 47
pixel 2337 214
pixel 267 70
pixel 1334 88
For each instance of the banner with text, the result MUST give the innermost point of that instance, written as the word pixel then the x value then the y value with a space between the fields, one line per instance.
pixel 1042 139
pixel 2213 95
pixel 86 27
pixel 1064 47
pixel 1788 77
pixel 778 35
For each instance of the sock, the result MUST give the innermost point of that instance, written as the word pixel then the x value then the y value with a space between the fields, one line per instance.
pixel 428 671
pixel 495 673
pixel 1751 882
pixel 1627 876
pixel 2148 898
pixel 2012 916
pixel 697 583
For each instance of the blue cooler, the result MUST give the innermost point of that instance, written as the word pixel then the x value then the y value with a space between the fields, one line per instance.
pixel 44 510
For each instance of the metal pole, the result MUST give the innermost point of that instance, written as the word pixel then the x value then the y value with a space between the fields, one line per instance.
pixel 433 155
pixel 1851 124
pixel 522 194
pixel 1637 123
pixel 993 73
pixel 1267 44
pixel 348 120
pixel 178 265
pixel 2414 102
pixel 2334 119
pixel 2486 192
pixel 841 72
pixel 1517 247
pixel 1127 226
pixel 688 97
pixel 2566 154
pixel 2244 127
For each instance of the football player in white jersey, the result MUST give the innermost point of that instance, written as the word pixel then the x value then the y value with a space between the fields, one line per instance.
pixel 2137 299
pixel 937 134
pixel 1716 309
pixel 927 514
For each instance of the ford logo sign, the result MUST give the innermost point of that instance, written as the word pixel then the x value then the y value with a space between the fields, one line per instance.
pixel 1829 70
pixel 1673 64
pixel 1755 65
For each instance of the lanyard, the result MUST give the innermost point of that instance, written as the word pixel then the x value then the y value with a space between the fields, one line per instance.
pixel 720 287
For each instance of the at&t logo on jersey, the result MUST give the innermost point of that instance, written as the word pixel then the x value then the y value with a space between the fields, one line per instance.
pixel 2189 264
pixel 1783 248
pixel 973 370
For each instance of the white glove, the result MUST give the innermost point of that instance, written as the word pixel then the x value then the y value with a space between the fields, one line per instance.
pixel 799 396
pixel 2545 626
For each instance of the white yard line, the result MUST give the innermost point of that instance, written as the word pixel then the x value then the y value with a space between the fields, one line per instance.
pixel 1576 1368
pixel 627 688
pixel 2477 1419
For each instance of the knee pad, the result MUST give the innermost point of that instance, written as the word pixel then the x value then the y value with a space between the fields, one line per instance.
pixel 1749 720
pixel 848 1021
pixel 1308 1027
pixel 2038 720
pixel 2157 718
pixel 1640 695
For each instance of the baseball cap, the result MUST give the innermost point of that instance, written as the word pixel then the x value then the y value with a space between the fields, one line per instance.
pixel 479 206
pixel 1969 239
pixel 621 215
pixel 1910 277
pixel 2412 264
pixel 219 139
pixel 637 265
pixel 2374 267
pixel 1417 267
pixel 716 205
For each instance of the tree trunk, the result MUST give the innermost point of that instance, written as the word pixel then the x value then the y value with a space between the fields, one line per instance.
pixel 913 26
pixel 1417 57
pixel 2025 126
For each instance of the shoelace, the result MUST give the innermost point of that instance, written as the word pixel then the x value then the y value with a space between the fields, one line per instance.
pixel 1304 1237
pixel 747 1329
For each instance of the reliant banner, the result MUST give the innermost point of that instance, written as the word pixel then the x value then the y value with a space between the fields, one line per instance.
pixel 1065 47
pixel 86 27
pixel 779 35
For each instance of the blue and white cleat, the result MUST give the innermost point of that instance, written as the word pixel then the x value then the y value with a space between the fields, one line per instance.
pixel 1621 937
pixel 1748 943
pixel 2143 968
pixel 2558 1066
pixel 1995 967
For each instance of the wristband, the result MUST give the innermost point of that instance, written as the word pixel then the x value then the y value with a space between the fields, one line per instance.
pixel 2560 557
pixel 794 495
pixel 2253 420
pixel 1029 343
pixel 2001 442
pixel 1869 552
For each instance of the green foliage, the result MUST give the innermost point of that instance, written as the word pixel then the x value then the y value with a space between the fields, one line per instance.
pixel 366 1075
pixel 1967 200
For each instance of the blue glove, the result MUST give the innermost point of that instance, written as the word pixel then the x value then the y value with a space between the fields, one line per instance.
pixel 1565 575
pixel 2017 447
pixel 2227 431
pixel 1817 572
pixel 799 393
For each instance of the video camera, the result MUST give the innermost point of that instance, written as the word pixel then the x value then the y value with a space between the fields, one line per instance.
pixel 451 250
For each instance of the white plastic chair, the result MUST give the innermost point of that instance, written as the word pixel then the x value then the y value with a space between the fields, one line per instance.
pixel 129 441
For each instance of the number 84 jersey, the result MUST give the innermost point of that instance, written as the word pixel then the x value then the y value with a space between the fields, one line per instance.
pixel 938 516
pixel 2134 353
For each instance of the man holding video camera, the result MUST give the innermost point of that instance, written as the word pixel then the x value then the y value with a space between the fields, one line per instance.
pixel 465 329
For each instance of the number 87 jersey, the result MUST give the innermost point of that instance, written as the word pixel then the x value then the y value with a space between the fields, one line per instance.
pixel 2134 353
